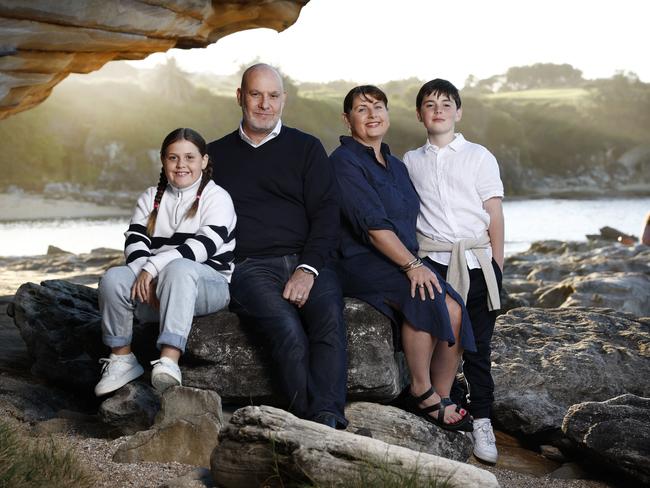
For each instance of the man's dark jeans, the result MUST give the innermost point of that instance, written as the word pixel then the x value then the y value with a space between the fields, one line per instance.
pixel 308 344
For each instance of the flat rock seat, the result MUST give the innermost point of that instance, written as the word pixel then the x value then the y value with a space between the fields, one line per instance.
pixel 60 324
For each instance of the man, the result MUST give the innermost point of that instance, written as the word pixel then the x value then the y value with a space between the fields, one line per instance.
pixel 284 193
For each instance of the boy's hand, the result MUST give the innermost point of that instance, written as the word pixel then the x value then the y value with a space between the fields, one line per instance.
pixel 494 208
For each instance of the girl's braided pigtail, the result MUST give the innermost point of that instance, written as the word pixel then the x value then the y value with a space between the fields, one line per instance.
pixel 162 185
pixel 207 176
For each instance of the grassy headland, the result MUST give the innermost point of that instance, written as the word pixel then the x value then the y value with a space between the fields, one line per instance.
pixel 548 127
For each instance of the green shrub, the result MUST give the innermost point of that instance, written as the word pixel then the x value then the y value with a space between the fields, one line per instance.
pixel 27 463
pixel 370 474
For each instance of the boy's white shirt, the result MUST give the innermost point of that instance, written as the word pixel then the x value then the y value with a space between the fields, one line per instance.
pixel 452 183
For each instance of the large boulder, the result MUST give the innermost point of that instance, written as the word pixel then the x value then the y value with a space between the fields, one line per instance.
pixel 400 428
pixel 131 409
pixel 625 292
pixel 228 356
pixel 186 430
pixel 614 433
pixel 61 326
pixel 267 444
pixel 30 400
pixel 545 360
pixel 595 273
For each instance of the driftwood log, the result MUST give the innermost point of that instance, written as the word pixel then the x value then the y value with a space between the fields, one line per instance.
pixel 266 445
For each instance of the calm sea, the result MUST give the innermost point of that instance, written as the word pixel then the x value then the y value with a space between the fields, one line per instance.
pixel 526 221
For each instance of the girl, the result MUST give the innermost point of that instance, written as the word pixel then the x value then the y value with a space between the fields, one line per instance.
pixel 179 259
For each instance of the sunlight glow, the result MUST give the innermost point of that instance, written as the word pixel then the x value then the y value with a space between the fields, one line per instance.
pixel 376 40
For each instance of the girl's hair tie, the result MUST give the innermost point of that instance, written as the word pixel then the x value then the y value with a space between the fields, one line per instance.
pixel 156 205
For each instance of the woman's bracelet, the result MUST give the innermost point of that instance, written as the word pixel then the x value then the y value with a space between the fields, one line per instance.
pixel 416 263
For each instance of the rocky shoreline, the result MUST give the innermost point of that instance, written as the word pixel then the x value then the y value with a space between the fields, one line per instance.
pixel 570 366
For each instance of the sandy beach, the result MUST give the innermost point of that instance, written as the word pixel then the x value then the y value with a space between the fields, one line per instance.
pixel 21 206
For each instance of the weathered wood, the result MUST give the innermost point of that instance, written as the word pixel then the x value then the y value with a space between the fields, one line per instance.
pixel 264 444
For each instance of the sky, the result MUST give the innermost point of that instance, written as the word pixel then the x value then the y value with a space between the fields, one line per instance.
pixel 374 41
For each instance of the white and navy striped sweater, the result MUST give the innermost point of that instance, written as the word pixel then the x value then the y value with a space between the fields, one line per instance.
pixel 207 238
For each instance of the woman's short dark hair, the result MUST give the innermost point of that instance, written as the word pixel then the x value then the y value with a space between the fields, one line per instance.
pixel 184 134
pixel 437 87
pixel 364 91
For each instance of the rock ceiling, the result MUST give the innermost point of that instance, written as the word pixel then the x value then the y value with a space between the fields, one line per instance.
pixel 43 41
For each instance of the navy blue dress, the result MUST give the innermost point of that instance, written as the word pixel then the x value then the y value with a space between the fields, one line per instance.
pixel 374 197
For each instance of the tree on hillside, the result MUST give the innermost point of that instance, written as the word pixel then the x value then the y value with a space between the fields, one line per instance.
pixel 621 105
pixel 475 86
pixel 542 75
pixel 539 75
pixel 172 83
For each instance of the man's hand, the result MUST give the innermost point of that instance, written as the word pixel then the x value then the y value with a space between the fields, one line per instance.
pixel 144 289
pixel 298 287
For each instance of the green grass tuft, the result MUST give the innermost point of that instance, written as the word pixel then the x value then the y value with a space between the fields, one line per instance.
pixel 381 476
pixel 31 463
pixel 369 474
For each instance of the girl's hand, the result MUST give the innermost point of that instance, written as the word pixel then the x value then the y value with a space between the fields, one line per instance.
pixel 422 278
pixel 142 288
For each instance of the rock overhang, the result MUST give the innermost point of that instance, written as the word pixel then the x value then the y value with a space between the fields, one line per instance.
pixel 42 42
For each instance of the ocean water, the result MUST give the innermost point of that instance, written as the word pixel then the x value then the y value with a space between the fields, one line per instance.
pixel 526 221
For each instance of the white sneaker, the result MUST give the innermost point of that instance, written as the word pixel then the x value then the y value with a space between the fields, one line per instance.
pixel 485 445
pixel 117 371
pixel 165 374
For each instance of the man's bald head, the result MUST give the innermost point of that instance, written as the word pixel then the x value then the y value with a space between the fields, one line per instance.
pixel 261 97
pixel 260 67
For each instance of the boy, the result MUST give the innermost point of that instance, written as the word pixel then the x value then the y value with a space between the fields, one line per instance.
pixel 460 227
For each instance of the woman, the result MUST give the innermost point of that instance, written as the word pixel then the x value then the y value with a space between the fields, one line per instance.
pixel 379 263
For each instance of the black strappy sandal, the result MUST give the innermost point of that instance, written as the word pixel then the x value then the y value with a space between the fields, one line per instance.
pixel 411 402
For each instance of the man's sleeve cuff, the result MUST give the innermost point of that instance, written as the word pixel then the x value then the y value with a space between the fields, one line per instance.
pixel 306 266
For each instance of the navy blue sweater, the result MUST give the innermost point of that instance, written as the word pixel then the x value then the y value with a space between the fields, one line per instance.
pixel 284 193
